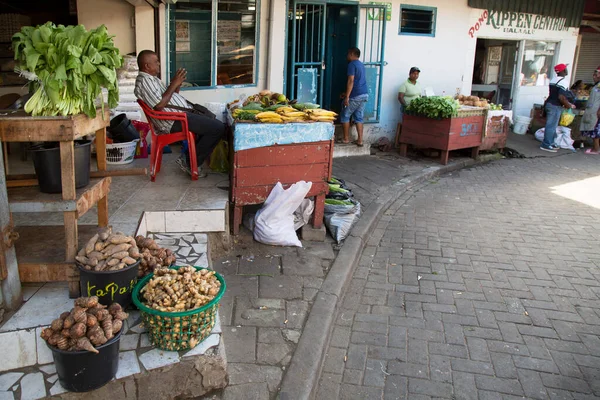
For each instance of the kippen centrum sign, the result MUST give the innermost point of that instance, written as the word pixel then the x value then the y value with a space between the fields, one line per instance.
pixel 514 22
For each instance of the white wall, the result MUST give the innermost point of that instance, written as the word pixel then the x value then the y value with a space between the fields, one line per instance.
pixel 117 15
pixel 144 28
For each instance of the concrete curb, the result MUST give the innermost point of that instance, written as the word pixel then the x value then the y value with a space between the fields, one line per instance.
pixel 303 372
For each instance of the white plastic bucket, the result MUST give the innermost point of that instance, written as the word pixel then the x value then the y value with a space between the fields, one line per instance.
pixel 521 125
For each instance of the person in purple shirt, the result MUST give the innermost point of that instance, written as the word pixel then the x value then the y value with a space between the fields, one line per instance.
pixel 355 98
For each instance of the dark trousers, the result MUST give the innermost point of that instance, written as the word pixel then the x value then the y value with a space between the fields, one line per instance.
pixel 207 132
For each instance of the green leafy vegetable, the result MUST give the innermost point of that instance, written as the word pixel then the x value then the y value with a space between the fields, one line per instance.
pixel 335 202
pixel 435 107
pixel 68 67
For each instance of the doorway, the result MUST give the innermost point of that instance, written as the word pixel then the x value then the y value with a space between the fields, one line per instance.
pixel 319 36
pixel 495 70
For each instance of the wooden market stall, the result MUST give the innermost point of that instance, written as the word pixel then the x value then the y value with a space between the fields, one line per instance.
pixel 35 263
pixel 461 132
pixel 264 154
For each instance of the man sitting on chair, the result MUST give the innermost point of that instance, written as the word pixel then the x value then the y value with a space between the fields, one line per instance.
pixel 152 91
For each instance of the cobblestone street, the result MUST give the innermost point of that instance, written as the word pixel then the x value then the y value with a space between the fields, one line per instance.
pixel 482 284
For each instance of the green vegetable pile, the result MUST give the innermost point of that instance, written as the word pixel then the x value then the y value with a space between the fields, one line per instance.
pixel 436 107
pixel 68 67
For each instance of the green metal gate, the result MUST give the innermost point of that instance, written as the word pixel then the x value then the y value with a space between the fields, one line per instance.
pixel 307 52
pixel 371 42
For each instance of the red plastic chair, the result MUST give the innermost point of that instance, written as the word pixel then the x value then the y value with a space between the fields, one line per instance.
pixel 159 141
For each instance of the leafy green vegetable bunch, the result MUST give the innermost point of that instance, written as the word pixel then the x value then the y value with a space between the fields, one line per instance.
pixel 68 67
pixel 436 107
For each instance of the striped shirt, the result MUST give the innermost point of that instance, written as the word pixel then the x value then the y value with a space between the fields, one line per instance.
pixel 150 90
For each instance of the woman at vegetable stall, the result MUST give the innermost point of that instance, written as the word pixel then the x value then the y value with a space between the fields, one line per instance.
pixel 590 123
pixel 152 91
pixel 409 90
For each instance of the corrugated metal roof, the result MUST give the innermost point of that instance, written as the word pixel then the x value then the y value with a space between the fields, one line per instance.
pixel 572 10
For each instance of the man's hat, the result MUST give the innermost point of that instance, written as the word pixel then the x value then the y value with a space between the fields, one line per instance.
pixel 414 69
pixel 560 68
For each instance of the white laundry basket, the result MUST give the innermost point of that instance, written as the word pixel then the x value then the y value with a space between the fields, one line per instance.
pixel 121 153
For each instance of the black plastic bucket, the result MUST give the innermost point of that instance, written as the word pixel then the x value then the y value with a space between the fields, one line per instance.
pixel 82 371
pixel 46 161
pixel 109 286
pixel 121 130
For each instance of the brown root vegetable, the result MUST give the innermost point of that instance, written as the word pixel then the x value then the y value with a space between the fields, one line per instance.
pixel 78 330
pixel 91 320
pixel 66 332
pixel 69 322
pixel 134 252
pixel 64 315
pixel 54 339
pixel 114 308
pixel 98 338
pixel 57 325
pixel 118 248
pixel 102 315
pixel 87 302
pixel 97 255
pixel 107 326
pixel 117 239
pixel 122 315
pixel 82 260
pixel 47 333
pixel 117 325
pixel 79 314
pixel 104 233
pixel 85 344
pixel 128 260
pixel 63 343
pixel 121 255
pixel 113 262
pixel 89 247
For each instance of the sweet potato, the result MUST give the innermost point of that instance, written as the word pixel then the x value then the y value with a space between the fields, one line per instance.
pixel 89 247
pixel 121 255
pixel 113 261
pixel 118 239
pixel 128 260
pixel 118 248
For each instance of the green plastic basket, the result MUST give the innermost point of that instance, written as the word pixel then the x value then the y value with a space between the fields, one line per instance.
pixel 173 331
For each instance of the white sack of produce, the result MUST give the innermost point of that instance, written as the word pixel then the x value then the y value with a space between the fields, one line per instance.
pixel 339 217
pixel 274 222
pixel 563 137
pixel 303 213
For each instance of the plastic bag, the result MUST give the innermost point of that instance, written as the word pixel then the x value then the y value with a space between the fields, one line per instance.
pixel 339 219
pixel 219 159
pixel 303 213
pixel 566 117
pixel 562 139
pixel 274 222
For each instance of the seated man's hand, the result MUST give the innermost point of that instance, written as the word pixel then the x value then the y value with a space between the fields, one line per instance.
pixel 179 77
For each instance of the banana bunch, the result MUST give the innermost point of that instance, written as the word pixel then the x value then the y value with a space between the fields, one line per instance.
pixel 269 117
pixel 290 114
pixel 321 115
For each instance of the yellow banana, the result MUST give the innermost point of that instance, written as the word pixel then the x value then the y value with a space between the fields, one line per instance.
pixel 267 114
pixel 286 109
pixel 271 120
pixel 293 119
pixel 322 113
pixel 294 114
pixel 322 118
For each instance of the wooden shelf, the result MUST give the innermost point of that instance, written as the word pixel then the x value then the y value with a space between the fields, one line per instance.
pixel 41 252
pixel 30 199
pixel 20 127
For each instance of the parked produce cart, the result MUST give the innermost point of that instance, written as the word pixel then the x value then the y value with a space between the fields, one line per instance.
pixel 275 141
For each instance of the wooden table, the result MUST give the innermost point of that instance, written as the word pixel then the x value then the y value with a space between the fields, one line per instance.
pixel 255 171
pixel 18 127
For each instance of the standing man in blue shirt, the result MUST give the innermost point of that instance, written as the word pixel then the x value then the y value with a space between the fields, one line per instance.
pixel 356 96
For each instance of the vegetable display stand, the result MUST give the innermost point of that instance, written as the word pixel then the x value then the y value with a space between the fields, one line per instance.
pixel 264 154
pixel 461 132
pixel 34 265
pixel 82 371
pixel 496 128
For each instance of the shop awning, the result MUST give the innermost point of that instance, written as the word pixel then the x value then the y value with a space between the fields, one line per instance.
pixel 572 10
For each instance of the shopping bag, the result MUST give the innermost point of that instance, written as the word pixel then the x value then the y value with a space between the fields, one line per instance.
pixel 274 222
pixel 566 117
pixel 219 159
pixel 339 218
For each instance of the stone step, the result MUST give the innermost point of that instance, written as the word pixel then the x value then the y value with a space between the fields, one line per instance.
pixel 350 150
